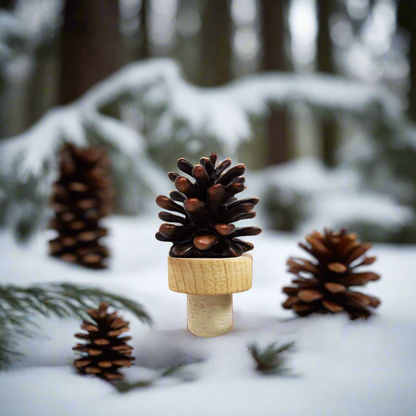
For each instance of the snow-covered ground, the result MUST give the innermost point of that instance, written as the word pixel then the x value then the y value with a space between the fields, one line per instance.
pixel 339 367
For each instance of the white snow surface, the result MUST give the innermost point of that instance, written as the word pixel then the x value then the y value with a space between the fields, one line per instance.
pixel 339 367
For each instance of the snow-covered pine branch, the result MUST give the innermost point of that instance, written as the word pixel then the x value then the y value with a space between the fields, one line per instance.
pixel 303 195
pixel 222 112
pixel 159 93
pixel 30 24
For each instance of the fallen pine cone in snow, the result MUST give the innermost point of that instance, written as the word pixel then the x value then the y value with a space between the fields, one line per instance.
pixel 82 197
pixel 104 353
pixel 324 286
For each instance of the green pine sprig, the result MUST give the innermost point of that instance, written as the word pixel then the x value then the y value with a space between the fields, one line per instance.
pixel 19 304
pixel 7 348
pixel 271 360
pixel 23 200
pixel 176 371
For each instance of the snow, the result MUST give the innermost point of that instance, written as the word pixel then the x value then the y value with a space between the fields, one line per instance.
pixel 10 27
pixel 31 23
pixel 224 111
pixel 339 367
pixel 40 18
pixel 31 20
pixel 38 147
pixel 309 175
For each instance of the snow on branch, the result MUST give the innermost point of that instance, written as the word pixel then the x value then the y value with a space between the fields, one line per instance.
pixel 37 148
pixel 39 17
pixel 168 104
pixel 222 112
pixel 330 198
pixel 31 23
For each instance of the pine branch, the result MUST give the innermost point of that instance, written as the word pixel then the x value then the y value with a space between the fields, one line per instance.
pixel 174 371
pixel 23 203
pixel 270 361
pixel 19 304
pixel 57 299
pixel 7 348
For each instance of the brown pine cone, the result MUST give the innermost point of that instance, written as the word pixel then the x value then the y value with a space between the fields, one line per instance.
pixel 324 286
pixel 82 197
pixel 104 352
pixel 208 209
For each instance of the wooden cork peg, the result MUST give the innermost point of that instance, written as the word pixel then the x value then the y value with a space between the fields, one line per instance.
pixel 209 284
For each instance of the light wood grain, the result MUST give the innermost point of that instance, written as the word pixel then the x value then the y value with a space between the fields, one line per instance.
pixel 221 276
pixel 210 315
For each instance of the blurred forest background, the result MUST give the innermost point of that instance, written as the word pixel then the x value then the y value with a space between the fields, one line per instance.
pixel 311 165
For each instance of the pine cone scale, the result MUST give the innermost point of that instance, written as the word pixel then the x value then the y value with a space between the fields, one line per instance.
pixel 81 363
pixel 332 306
pixel 105 364
pixel 337 267
pixel 309 295
pixel 335 287
pixel 317 245
pixel 185 166
pixel 357 252
pixel 291 300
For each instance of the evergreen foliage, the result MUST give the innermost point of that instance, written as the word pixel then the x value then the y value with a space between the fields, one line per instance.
pixel 270 360
pixel 7 351
pixel 23 203
pixel 176 371
pixel 284 213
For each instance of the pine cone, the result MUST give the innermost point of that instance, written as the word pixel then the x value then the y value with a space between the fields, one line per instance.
pixel 326 286
pixel 209 208
pixel 82 196
pixel 104 353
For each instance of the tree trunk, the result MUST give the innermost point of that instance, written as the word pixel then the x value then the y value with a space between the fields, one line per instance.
pixel 216 44
pixel 4 90
pixel 42 85
pixel 329 128
pixel 274 59
pixel 406 20
pixel 91 45
pixel 144 50
pixel 7 4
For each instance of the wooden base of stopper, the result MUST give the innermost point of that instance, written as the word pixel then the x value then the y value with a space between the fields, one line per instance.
pixel 210 315
pixel 209 284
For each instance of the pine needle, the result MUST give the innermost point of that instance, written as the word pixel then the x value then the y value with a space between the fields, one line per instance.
pixel 7 351
pixel 174 371
pixel 19 304
pixel 23 202
pixel 271 360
